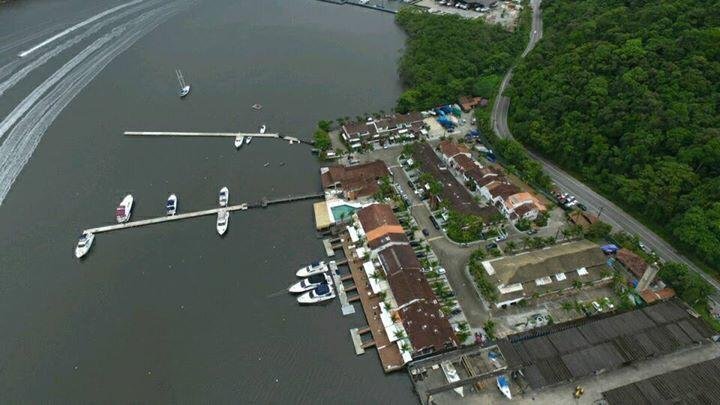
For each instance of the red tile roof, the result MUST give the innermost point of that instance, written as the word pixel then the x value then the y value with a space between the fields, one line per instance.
pixel 375 216
pixel 634 263
pixel 465 163
pixel 356 181
pixel 450 148
pixel 650 296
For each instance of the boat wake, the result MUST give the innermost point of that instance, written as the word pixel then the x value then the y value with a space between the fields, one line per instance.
pixel 37 112
pixel 44 58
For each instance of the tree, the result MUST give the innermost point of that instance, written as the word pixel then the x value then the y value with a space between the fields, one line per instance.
pixel 489 327
pixel 322 140
pixel 689 286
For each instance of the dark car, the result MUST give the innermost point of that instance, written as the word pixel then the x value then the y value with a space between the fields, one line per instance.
pixel 434 222
pixel 426 232
pixel 491 246
pixel 456 311
pixel 582 206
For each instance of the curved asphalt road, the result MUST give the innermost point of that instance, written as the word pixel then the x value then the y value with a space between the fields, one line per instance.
pixel 611 213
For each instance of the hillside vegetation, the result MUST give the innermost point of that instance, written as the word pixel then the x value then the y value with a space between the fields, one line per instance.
pixel 626 94
pixel 447 56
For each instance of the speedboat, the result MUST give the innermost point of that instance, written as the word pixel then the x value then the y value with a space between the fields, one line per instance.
pixel 223 197
pixel 312 268
pixel 452 376
pixel 248 139
pixel 239 141
pixel 321 293
pixel 124 210
pixel 309 283
pixel 222 222
pixel 185 91
pixel 84 244
pixel 262 129
pixel 171 205
pixel 503 385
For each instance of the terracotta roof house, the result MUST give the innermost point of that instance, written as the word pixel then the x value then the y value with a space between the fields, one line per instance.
pixel 353 182
pixel 449 149
pixel 468 103
pixel 464 164
pixel 582 218
pixel 378 220
pixel 631 261
pixel 389 127
pixel 545 271
pixel 650 296
pixel 419 310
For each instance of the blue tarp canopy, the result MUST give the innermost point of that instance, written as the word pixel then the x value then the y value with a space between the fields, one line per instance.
pixel 609 248
pixel 322 289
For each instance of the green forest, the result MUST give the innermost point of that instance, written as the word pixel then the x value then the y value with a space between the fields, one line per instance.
pixel 625 94
pixel 448 56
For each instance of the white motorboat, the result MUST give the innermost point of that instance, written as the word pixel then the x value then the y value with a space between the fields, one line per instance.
pixel 224 197
pixel 503 385
pixel 262 129
pixel 309 283
pixel 239 141
pixel 312 268
pixel 248 139
pixel 171 205
pixel 184 87
pixel 222 222
pixel 322 292
pixel 84 244
pixel 452 376
pixel 124 210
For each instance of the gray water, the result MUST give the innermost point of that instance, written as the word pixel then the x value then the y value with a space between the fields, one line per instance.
pixel 172 313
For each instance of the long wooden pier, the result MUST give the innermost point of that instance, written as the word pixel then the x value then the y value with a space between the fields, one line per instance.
pixel 195 214
pixel 290 139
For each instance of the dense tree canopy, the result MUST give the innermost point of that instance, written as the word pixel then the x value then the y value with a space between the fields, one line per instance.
pixel 626 93
pixel 447 56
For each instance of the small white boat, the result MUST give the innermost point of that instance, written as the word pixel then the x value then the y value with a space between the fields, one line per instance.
pixel 84 244
pixel 266 164
pixel 262 129
pixel 312 268
pixel 224 197
pixel 184 87
pixel 248 139
pixel 309 283
pixel 222 222
pixel 124 210
pixel 503 385
pixel 239 141
pixel 185 91
pixel 452 376
pixel 171 205
pixel 321 293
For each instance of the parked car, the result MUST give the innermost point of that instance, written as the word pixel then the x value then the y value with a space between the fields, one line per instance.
pixel 456 311
pixel 491 246
pixel 531 231
pixel 597 306
pixel 440 270
pixel 425 232
pixel 609 303
pixel 434 222
pixel 582 206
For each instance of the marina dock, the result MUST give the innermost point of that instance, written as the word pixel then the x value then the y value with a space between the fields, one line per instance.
pixel 196 214
pixel 345 306
pixel 233 135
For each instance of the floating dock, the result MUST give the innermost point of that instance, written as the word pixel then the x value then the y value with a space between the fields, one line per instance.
pixel 345 306
pixel 357 341
pixel 195 214
pixel 329 251
pixel 233 135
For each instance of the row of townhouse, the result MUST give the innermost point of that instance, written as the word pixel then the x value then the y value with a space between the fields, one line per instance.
pixel 490 183
pixel 412 319
pixel 390 128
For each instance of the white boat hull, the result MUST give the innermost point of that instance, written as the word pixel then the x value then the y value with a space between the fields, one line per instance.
pixel 81 251
pixel 307 299
pixel 239 142
pixel 248 139
pixel 222 222
pixel 224 197
pixel 127 203
pixel 171 209
pixel 309 270
pixel 298 287
pixel 262 129
pixel 184 91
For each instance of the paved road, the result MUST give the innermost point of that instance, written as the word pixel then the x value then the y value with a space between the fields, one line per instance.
pixel 611 213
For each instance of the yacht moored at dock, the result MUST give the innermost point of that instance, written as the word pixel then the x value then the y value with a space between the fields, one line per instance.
pixel 222 222
pixel 248 139
pixel 262 129
pixel 309 283
pixel 124 210
pixel 171 205
pixel 452 376
pixel 84 244
pixel 239 141
pixel 224 197
pixel 322 292
pixel 312 268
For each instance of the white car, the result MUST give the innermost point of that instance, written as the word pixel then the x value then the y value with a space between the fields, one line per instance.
pixel 597 306
pixel 609 303
pixel 440 270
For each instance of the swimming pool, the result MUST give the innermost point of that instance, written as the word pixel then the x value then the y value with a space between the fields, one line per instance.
pixel 339 210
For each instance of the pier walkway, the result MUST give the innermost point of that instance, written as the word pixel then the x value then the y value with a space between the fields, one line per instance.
pixel 345 306
pixel 290 139
pixel 195 214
